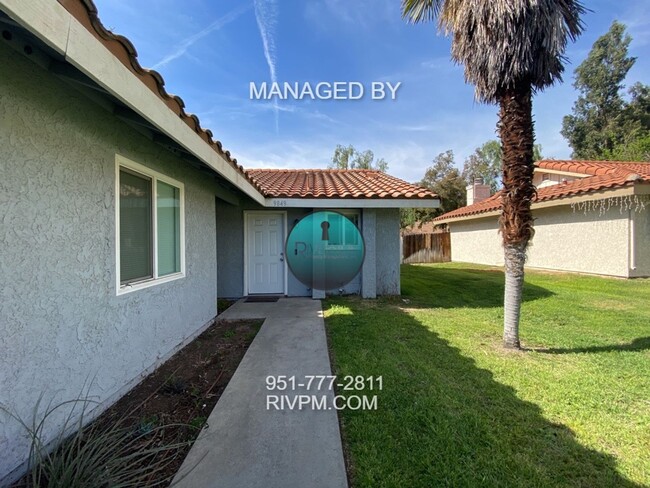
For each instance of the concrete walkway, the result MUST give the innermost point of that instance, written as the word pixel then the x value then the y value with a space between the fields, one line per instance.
pixel 248 445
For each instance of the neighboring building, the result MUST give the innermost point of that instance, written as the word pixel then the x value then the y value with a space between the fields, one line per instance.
pixel 123 220
pixel 590 217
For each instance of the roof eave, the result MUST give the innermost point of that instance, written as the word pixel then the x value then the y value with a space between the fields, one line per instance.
pixel 352 202
pixel 632 188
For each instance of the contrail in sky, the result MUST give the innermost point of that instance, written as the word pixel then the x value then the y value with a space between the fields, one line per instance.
pixel 185 44
pixel 266 15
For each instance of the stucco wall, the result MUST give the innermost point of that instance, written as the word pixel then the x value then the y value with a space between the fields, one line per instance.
pixel 641 242
pixel 388 251
pixel 564 240
pixel 61 324
pixel 369 267
pixel 230 250
pixel 476 241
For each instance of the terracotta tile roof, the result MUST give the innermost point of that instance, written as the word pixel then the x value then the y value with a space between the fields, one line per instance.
pixel 85 12
pixel 488 205
pixel 594 168
pixel 600 175
pixel 332 183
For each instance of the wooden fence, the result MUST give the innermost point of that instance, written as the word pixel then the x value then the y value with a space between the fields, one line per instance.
pixel 426 248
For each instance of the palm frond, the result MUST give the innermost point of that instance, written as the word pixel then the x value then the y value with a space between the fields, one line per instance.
pixel 421 10
pixel 504 43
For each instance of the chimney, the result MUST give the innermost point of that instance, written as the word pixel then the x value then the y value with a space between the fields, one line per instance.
pixel 477 191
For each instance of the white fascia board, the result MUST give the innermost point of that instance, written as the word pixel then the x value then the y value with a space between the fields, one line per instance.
pixel 55 26
pixel 351 203
pixel 46 19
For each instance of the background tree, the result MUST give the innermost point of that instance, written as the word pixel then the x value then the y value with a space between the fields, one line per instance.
pixel 635 143
pixel 347 157
pixel 486 163
pixel 443 178
pixel 603 125
pixel 509 49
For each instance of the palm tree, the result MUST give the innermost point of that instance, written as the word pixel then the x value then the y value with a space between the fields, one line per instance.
pixel 509 50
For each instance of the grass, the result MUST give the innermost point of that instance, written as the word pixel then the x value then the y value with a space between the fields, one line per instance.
pixel 572 409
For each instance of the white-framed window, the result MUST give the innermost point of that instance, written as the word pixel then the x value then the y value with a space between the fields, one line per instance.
pixel 150 227
pixel 342 236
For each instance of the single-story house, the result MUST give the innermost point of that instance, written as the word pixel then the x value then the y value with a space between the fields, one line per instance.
pixel 590 217
pixel 123 220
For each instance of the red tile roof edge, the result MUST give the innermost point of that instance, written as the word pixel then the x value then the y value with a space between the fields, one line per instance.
pixel 605 175
pixel 592 167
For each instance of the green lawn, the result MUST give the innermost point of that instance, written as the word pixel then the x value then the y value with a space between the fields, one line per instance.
pixel 456 409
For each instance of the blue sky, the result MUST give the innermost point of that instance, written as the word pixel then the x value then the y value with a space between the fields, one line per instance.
pixel 209 51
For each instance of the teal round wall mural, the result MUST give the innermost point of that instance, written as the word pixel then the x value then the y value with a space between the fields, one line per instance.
pixel 325 250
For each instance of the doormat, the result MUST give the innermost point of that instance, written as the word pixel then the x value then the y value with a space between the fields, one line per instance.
pixel 262 299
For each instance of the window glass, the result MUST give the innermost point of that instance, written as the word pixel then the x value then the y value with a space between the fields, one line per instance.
pixel 351 236
pixel 335 230
pixel 135 227
pixel 168 207
pixel 341 234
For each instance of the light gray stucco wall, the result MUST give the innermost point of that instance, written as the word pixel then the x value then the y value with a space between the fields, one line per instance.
pixel 61 324
pixel 230 250
pixel 387 251
pixel 564 240
pixel 369 267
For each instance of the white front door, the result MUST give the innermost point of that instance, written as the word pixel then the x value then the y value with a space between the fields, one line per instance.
pixel 265 258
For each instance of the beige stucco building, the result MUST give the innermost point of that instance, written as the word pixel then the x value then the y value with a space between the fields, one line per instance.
pixel 590 217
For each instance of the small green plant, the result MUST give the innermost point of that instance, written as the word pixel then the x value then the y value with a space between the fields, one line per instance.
pixel 228 334
pixel 148 424
pixel 198 422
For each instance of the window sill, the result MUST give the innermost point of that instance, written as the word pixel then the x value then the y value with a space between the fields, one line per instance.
pixel 140 285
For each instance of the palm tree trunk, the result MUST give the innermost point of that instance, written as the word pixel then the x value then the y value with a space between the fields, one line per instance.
pixel 516 222
pixel 515 257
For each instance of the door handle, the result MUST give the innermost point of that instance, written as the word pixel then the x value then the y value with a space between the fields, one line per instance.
pixel 281 256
